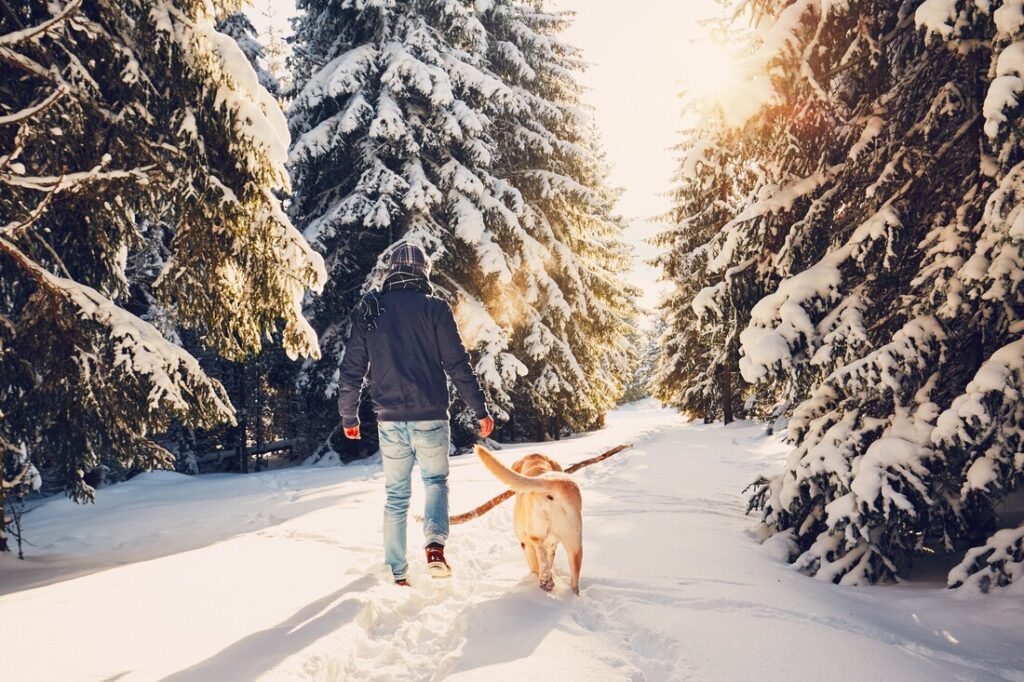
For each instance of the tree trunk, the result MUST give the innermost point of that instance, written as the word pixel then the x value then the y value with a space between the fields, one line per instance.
pixel 3 515
pixel 725 378
pixel 258 363
pixel 243 460
pixel 556 428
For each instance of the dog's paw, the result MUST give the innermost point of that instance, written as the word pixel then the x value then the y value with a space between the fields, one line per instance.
pixel 547 584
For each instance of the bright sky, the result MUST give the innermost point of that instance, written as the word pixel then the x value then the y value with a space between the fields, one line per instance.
pixel 642 52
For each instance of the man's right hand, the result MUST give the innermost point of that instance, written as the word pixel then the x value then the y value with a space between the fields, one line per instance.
pixel 351 432
pixel 486 426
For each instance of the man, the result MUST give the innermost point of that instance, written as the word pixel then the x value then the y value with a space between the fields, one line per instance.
pixel 408 339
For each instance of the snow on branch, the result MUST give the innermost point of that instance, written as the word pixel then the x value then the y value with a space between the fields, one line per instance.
pixel 32 31
pixel 341 76
pixel 59 183
pixel 781 323
pixel 774 200
pixel 985 423
pixel 859 495
pixel 997 563
pixel 31 111
pixel 1005 89
pixel 937 16
pixel 175 378
pixel 258 117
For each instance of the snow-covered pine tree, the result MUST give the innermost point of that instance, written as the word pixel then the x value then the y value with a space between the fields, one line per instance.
pixel 261 405
pixel 883 228
pixel 697 365
pixel 391 122
pixel 111 112
pixel 237 25
pixel 646 340
pixel 572 330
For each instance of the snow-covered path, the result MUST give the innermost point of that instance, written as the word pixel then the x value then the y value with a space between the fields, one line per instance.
pixel 278 576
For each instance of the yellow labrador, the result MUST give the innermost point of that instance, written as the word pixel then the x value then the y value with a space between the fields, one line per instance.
pixel 549 511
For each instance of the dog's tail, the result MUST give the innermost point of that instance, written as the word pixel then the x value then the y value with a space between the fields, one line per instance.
pixel 516 481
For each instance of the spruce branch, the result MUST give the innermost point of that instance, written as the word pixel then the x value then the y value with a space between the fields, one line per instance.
pixel 33 31
pixel 31 111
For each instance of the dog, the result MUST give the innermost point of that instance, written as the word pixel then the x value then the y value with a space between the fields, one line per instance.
pixel 549 511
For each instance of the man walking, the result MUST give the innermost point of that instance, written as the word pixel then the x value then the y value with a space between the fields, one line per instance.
pixel 408 340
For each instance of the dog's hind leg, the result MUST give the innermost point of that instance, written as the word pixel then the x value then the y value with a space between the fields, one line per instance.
pixel 530 550
pixel 545 558
pixel 574 548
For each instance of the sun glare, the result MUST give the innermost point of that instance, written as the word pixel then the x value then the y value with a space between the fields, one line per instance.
pixel 718 81
pixel 711 72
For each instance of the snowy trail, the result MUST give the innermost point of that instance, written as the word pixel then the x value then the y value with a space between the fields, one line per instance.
pixel 278 576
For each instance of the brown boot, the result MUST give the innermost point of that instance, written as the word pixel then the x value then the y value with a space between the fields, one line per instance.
pixel 436 563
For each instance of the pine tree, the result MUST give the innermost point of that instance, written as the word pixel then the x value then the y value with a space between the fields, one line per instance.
pixel 112 116
pixel 572 328
pixel 463 130
pixel 275 50
pixel 872 276
pixel 237 25
pixel 391 118
pixel 697 365
pixel 646 340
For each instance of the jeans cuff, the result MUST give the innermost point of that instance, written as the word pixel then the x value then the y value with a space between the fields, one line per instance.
pixel 435 537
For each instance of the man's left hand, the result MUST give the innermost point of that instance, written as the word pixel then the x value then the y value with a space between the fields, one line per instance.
pixel 351 432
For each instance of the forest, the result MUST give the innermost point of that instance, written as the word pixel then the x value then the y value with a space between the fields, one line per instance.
pixel 190 212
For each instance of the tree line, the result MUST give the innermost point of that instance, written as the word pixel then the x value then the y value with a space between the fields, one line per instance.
pixel 847 252
pixel 183 234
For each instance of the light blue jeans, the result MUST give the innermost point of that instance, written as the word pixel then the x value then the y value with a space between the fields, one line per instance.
pixel 402 443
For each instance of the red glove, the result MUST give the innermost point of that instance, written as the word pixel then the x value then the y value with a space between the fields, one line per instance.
pixel 351 432
pixel 486 426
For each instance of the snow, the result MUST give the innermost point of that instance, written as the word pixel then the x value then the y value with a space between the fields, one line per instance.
pixel 937 16
pixel 981 473
pixel 707 299
pixel 1002 94
pixel 342 75
pixel 781 322
pixel 696 157
pixel 278 576
pixel 872 128
pixel 994 376
pixel 495 366
pixel 1009 17
pixel 996 557
pixel 772 199
pixel 1005 89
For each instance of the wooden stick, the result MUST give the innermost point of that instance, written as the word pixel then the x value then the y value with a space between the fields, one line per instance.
pixel 495 501
pixel 600 458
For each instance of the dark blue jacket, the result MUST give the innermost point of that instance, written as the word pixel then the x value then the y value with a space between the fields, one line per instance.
pixel 414 344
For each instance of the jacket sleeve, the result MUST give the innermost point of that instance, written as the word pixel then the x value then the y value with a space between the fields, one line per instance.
pixel 353 370
pixel 455 361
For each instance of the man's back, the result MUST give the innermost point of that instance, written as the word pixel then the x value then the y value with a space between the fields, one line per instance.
pixel 409 347
pixel 407 380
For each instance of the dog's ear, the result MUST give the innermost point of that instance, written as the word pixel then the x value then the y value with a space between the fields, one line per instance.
pixel 555 466
pixel 517 466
